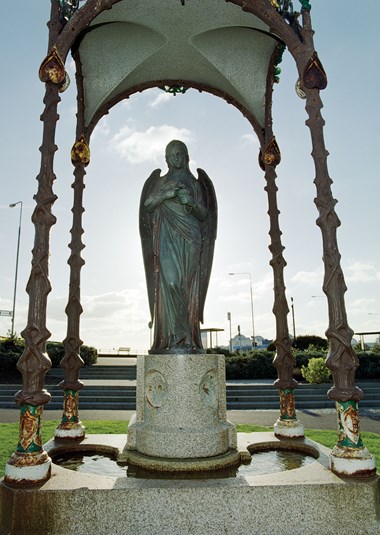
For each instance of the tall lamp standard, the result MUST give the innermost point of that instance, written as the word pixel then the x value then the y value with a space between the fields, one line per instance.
pixel 16 272
pixel 229 319
pixel 294 321
pixel 250 286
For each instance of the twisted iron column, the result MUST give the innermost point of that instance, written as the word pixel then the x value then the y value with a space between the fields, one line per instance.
pixel 349 457
pixel 288 424
pixel 70 425
pixel 30 464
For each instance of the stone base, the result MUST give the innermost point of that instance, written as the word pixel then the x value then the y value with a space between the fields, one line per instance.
pixel 180 409
pixel 158 464
pixel 288 428
pixel 74 430
pixel 309 500
pixel 28 468
pixel 356 462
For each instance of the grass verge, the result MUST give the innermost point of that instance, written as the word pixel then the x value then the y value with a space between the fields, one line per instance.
pixel 9 436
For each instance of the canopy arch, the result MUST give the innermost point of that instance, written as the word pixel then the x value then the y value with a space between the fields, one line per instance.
pixel 210 45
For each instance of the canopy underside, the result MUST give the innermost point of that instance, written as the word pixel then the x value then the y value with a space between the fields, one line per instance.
pixel 205 43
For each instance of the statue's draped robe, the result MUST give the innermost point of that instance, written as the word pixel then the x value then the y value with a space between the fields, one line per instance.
pixel 177 246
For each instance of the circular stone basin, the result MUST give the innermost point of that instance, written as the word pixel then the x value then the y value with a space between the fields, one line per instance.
pixel 269 462
pixel 262 462
pixel 101 464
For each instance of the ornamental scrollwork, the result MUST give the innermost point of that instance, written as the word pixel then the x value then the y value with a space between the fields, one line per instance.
pixel 286 10
pixel 67 9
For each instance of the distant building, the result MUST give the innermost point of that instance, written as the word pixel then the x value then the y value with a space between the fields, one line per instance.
pixel 243 343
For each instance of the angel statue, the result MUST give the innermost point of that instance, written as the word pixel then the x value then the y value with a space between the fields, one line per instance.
pixel 178 219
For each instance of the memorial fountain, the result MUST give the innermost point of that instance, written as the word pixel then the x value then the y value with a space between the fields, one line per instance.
pixel 180 427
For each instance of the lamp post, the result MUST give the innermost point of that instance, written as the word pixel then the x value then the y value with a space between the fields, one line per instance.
pixel 252 317
pixel 16 271
pixel 229 319
pixel 294 322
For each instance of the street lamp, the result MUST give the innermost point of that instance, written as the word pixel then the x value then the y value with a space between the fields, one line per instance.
pixel 250 286
pixel 229 319
pixel 294 321
pixel 16 272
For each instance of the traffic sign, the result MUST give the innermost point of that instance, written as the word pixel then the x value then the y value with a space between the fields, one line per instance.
pixel 6 313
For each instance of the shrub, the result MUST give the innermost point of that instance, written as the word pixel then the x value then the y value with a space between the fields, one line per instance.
pixel 12 348
pixel 56 352
pixel 316 371
pixel 304 342
pixel 254 365
pixel 12 345
pixel 8 362
pixel 89 355
pixel 369 365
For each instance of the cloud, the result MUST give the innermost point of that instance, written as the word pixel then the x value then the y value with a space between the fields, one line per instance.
pixel 362 272
pixel 108 320
pixel 102 129
pixel 159 100
pixel 149 145
pixel 308 277
pixel 249 139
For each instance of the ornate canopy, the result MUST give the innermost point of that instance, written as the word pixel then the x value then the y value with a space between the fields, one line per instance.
pixel 206 44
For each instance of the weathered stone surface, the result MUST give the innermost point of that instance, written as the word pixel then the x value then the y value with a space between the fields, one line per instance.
pixel 308 500
pixel 181 407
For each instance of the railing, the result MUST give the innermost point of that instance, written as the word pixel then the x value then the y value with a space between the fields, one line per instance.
pixel 121 352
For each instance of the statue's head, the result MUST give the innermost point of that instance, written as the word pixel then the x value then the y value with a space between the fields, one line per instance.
pixel 173 149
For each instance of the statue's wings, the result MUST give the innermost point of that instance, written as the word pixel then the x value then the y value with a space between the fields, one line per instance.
pixel 209 230
pixel 146 235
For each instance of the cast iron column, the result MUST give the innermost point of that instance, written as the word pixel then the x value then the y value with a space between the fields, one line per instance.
pixel 287 425
pixel 349 457
pixel 30 463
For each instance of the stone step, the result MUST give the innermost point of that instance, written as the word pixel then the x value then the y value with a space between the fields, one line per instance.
pixel 127 401
pixel 121 404
pixel 99 372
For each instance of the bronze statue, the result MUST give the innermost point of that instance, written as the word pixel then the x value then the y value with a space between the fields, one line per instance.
pixel 178 220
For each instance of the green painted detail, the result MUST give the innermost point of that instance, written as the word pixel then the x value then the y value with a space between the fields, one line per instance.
pixel 280 52
pixel 67 8
pixel 70 413
pixel 348 425
pixel 285 9
pixel 306 6
pixel 30 439
pixel 287 405
pixel 287 418
pixel 72 392
pixel 174 89
pixel 347 443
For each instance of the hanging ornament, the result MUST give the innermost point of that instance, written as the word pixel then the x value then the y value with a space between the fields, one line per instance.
pixel 314 76
pixel 65 84
pixel 52 68
pixel 80 153
pixel 272 154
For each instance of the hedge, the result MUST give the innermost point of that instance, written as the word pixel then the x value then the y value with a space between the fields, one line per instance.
pixel 11 349
pixel 254 365
pixel 259 364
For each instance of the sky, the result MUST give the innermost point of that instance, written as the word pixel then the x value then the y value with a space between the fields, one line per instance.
pixel 129 143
